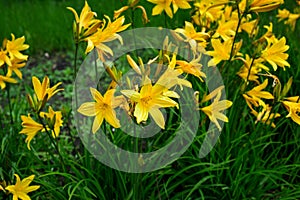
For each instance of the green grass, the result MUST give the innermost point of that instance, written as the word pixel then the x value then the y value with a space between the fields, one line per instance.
pixel 46 24
pixel 250 160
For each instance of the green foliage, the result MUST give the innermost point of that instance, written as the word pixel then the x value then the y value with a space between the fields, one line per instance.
pixel 250 160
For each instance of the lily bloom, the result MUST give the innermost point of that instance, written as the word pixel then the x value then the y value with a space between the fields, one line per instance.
pixel 162 5
pixel 30 128
pixel 6 79
pixel 108 32
pixel 265 5
pixel 102 109
pixel 292 104
pixel 14 47
pixel 21 188
pixel 274 54
pixel 43 90
pixel 86 24
pixel 149 100
pixel 255 95
pixel 213 111
pixel 221 51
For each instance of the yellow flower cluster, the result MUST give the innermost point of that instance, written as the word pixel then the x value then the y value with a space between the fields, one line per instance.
pixel 11 59
pixel 219 29
pixel 97 32
pixel 20 189
pixel 47 121
pixel 218 24
pixel 288 17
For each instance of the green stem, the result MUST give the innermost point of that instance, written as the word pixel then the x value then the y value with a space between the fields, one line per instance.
pixel 133 33
pixel 165 18
pixel 8 98
pixel 75 94
pixel 96 70
pixel 53 142
pixel 9 104
pixel 75 72
pixel 237 29
pixel 1 122
pixel 137 177
pixel 249 72
pixel 158 192
pixel 275 108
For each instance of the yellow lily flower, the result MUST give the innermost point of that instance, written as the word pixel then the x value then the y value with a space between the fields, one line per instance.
pixel 255 95
pixel 43 89
pixel 255 69
pixel 133 5
pixel 193 37
pixel 251 27
pixel 208 11
pixel 54 120
pixel 265 116
pixel 14 47
pixel 6 79
pixel 269 35
pixel 213 111
pixel 30 128
pixel 149 100
pixel 4 58
pixel 292 104
pixel 107 33
pixel 193 67
pixel 102 109
pixel 162 5
pixel 22 188
pixel 290 17
pixel 86 24
pixel 16 64
pixel 283 14
pixel 265 5
pixel 292 20
pixel 183 4
pixel 170 77
pixel 226 29
pixel 221 51
pixel 274 54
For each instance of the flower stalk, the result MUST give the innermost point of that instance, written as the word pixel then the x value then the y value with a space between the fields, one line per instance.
pixel 53 142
